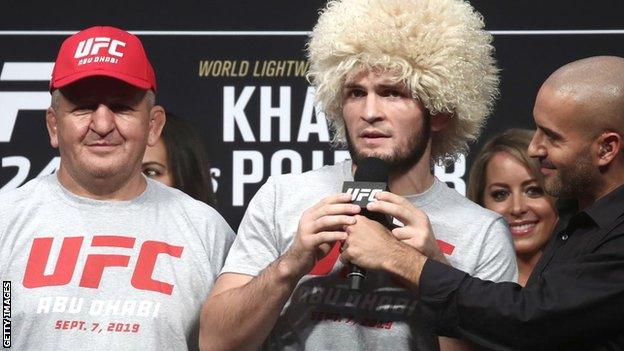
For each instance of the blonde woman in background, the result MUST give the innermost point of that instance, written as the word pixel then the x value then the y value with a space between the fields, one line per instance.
pixel 506 180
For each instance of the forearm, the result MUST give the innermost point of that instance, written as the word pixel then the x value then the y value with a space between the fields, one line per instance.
pixel 241 318
pixel 504 315
pixel 406 263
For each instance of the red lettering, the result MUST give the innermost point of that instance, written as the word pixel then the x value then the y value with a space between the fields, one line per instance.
pixel 34 276
pixel 94 268
pixel 113 241
pixel 95 264
pixel 142 276
pixel 445 247
pixel 325 265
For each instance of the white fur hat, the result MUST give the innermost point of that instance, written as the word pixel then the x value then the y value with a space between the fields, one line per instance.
pixel 438 47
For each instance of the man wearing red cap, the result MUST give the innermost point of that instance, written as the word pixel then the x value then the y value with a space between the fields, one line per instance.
pixel 98 256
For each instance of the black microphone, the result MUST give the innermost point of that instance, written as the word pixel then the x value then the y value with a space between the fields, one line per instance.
pixel 371 177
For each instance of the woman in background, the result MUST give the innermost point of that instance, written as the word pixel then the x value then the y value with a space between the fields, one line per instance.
pixel 506 180
pixel 179 160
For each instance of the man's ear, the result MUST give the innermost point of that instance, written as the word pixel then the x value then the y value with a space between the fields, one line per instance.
pixel 157 120
pixel 439 121
pixel 51 124
pixel 608 145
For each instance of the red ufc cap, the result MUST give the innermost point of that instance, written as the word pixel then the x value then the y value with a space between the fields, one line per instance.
pixel 103 51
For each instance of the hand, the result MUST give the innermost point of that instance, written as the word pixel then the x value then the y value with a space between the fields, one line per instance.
pixel 416 232
pixel 319 227
pixel 369 244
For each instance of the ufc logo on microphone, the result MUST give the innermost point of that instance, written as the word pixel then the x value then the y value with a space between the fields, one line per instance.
pixel 95 264
pixel 92 46
pixel 363 192
pixel 358 195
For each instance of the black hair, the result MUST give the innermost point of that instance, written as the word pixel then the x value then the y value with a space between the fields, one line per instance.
pixel 187 158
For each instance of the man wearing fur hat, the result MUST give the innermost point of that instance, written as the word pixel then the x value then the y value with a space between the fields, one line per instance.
pixel 406 81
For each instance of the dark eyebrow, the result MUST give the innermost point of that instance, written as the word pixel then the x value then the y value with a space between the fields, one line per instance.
pixel 393 85
pixel 151 163
pixel 499 184
pixel 400 85
pixel 530 181
pixel 352 86
pixel 524 183
pixel 550 133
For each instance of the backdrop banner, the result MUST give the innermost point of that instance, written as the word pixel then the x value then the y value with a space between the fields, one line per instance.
pixel 241 82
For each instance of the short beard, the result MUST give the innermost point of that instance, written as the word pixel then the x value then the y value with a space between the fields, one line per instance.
pixel 572 182
pixel 397 160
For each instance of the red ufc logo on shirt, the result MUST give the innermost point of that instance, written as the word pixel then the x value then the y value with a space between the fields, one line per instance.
pixel 92 46
pixel 94 266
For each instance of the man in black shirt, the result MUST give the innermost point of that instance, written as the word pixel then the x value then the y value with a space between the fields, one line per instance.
pixel 574 299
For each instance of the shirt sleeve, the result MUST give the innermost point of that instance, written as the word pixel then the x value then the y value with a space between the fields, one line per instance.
pixel 255 246
pixel 577 300
pixel 223 238
pixel 497 261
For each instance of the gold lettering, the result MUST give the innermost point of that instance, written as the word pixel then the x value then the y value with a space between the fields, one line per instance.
pixel 226 68
pixel 204 67
pixel 270 69
pixel 279 70
pixel 301 68
pixel 244 68
pixel 255 69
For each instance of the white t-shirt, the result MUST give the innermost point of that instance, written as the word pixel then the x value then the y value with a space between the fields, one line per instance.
pixel 322 314
pixel 108 275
